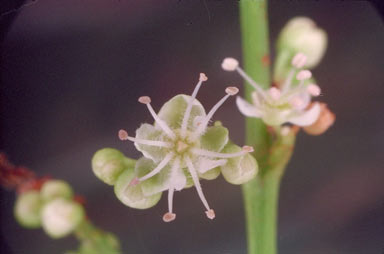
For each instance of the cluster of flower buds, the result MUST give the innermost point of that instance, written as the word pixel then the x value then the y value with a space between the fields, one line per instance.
pixel 51 207
pixel 179 149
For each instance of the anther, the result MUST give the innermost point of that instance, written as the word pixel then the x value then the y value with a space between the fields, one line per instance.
pixel 168 217
pixel 229 64
pixel 232 90
pixel 274 93
pixel 313 89
pixel 135 181
pixel 203 77
pixel 299 60
pixel 303 75
pixel 144 99
pixel 248 149
pixel 210 214
pixel 123 135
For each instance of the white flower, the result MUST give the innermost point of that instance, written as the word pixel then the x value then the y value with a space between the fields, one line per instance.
pixel 286 105
pixel 179 149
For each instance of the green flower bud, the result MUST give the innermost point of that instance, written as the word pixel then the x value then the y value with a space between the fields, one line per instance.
pixel 301 34
pixel 27 209
pixel 239 170
pixel 55 189
pixel 132 195
pixel 109 163
pixel 60 217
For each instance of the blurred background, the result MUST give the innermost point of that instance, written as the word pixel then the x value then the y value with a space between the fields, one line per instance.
pixel 71 73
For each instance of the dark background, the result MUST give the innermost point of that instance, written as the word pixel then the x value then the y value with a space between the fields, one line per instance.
pixel 71 73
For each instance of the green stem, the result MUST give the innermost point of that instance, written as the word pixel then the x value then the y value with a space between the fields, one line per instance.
pixel 272 151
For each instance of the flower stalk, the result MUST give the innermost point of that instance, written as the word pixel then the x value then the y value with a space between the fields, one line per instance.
pixel 272 148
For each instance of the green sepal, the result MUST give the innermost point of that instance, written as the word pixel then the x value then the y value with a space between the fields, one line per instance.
pixel 241 169
pixel 133 196
pixel 109 163
pixel 28 208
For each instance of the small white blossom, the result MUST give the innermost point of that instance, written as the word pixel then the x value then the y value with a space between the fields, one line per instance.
pixel 288 104
pixel 179 149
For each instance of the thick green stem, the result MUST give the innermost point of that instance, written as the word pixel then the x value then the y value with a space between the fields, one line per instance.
pixel 261 199
pixel 271 150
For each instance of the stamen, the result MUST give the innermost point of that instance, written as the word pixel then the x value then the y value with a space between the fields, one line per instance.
pixel 169 216
pixel 288 81
pixel 159 167
pixel 232 90
pixel 274 93
pixel 299 60
pixel 163 125
pixel 210 214
pixel 123 135
pixel 195 179
pixel 144 99
pixel 229 64
pixel 313 90
pixel 201 127
pixel 251 82
pixel 202 152
pixel 303 75
pixel 187 113
pixel 170 199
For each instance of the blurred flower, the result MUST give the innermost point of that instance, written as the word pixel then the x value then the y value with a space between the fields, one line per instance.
pixel 288 104
pixel 28 208
pixel 61 216
pixel 301 34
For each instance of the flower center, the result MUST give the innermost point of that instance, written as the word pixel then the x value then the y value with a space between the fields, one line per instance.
pixel 181 146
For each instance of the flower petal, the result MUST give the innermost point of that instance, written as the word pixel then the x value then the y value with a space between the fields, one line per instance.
pixel 307 117
pixel 149 132
pixel 246 108
pixel 173 111
pixel 215 138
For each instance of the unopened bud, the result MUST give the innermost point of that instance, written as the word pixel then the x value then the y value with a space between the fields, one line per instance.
pixel 56 189
pixel 241 169
pixel 60 217
pixel 325 120
pixel 109 163
pixel 301 34
pixel 27 209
